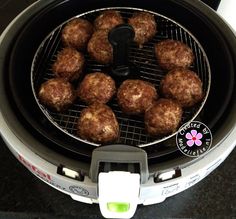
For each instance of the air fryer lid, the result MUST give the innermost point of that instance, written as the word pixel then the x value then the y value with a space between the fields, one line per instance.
pixel 219 108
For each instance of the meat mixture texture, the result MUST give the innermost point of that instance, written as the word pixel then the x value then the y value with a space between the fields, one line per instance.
pixel 69 64
pixel 108 20
pixel 135 96
pixel 171 54
pixel 182 85
pixel 99 47
pixel 97 123
pixel 57 94
pixel 163 117
pixel 96 88
pixel 144 25
pixel 77 33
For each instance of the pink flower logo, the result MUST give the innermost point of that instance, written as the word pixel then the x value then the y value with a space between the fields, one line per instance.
pixel 194 138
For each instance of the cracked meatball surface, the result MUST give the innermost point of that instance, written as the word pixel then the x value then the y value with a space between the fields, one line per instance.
pixel 97 123
pixel 69 64
pixel 57 94
pixel 163 117
pixel 99 47
pixel 135 96
pixel 77 33
pixel 183 86
pixel 96 88
pixel 144 25
pixel 108 20
pixel 171 54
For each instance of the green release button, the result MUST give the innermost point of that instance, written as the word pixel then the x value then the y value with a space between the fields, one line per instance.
pixel 118 207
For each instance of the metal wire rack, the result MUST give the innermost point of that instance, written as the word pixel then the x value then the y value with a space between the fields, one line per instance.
pixel 132 130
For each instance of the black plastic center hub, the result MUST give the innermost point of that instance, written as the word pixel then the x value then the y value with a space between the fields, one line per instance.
pixel 120 38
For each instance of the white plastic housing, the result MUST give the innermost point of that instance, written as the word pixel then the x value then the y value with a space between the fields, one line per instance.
pixel 118 193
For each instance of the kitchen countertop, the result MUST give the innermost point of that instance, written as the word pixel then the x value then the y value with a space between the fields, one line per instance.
pixel 22 195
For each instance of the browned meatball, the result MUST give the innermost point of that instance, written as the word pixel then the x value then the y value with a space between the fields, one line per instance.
pixel 163 117
pixel 99 47
pixel 183 86
pixel 144 26
pixel 77 33
pixel 98 124
pixel 172 53
pixel 69 64
pixel 57 94
pixel 96 88
pixel 135 96
pixel 107 20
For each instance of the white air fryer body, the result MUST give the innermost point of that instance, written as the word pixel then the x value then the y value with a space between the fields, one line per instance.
pixel 87 191
pixel 148 193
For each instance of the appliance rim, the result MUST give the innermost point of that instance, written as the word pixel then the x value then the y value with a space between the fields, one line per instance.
pixel 6 107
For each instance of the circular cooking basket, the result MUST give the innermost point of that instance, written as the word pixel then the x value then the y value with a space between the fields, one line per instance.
pixel 132 130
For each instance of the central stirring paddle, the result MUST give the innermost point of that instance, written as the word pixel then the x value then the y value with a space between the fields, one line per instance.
pixel 120 38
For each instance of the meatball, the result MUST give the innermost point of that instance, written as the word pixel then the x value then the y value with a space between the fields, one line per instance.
pixel 69 64
pixel 57 94
pixel 144 26
pixel 172 53
pixel 107 20
pixel 77 33
pixel 183 86
pixel 98 124
pixel 96 88
pixel 99 47
pixel 135 96
pixel 163 117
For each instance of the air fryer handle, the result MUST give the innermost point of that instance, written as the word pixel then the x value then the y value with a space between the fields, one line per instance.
pixel 120 37
pixel 119 154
